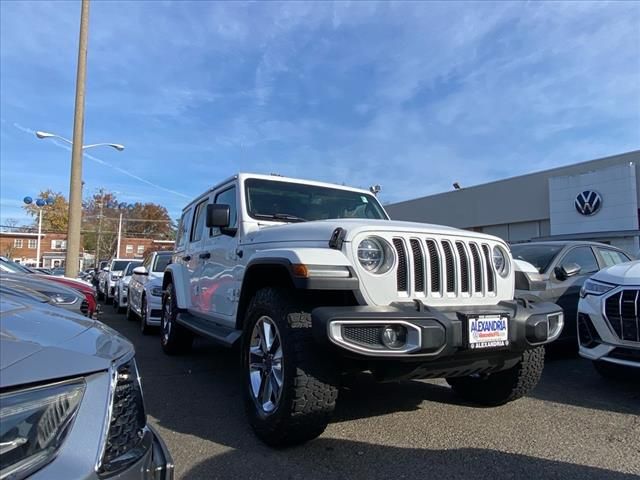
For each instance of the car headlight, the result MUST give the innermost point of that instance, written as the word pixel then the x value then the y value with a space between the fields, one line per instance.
pixel 61 298
pixel 500 261
pixel 593 287
pixel 34 424
pixel 375 255
pixel 156 291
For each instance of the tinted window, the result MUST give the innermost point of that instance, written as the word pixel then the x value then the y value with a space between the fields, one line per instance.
pixel 612 257
pixel 198 221
pixel 119 265
pixel 161 263
pixel 270 199
pixel 147 262
pixel 584 257
pixel 132 265
pixel 540 256
pixel 228 197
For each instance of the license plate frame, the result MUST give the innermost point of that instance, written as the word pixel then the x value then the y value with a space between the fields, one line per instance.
pixel 487 331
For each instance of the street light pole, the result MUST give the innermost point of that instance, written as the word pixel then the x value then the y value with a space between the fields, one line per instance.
pixel 75 188
pixel 39 236
pixel 119 236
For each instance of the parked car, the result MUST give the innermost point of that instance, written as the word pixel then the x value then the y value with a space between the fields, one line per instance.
pixel 80 285
pixel 555 272
pixel 608 321
pixel 313 279
pixel 71 399
pixel 109 276
pixel 145 290
pixel 62 296
pixel 122 287
pixel 20 290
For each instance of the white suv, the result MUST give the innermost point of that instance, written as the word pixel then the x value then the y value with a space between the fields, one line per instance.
pixel 313 279
pixel 608 319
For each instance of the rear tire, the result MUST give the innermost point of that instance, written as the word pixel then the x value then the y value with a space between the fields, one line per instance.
pixel 299 407
pixel 498 388
pixel 174 338
pixel 130 315
pixel 100 295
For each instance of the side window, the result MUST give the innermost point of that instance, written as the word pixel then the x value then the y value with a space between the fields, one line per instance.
pixel 198 221
pixel 228 197
pixel 147 262
pixel 612 257
pixel 584 257
pixel 182 230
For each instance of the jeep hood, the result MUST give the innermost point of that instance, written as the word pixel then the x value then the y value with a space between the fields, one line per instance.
pixel 622 274
pixel 42 343
pixel 321 230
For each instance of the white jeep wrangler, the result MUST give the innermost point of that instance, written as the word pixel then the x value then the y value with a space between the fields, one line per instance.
pixel 313 280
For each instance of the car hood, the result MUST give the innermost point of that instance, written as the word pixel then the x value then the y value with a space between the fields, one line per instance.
pixel 321 230
pixel 622 274
pixel 41 343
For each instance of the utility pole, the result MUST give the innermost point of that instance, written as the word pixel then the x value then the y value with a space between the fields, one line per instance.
pixel 119 236
pixel 99 239
pixel 75 188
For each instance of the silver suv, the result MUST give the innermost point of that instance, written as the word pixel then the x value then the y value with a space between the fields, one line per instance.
pixel 313 279
pixel 71 400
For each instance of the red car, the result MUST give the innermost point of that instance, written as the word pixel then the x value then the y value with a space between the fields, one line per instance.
pixel 87 290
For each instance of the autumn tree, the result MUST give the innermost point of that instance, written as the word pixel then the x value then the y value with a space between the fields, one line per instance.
pixel 55 217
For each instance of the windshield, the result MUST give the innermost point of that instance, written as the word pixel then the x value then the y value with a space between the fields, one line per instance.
pixel 540 256
pixel 161 263
pixel 130 267
pixel 119 265
pixel 270 199
pixel 13 267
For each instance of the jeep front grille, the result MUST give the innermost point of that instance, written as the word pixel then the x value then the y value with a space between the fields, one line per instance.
pixel 441 268
pixel 621 311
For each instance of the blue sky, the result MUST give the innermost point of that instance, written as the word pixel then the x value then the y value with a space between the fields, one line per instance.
pixel 412 96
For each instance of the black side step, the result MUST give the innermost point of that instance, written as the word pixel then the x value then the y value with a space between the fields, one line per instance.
pixel 224 335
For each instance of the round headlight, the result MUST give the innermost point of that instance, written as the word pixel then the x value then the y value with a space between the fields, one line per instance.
pixel 374 254
pixel 500 261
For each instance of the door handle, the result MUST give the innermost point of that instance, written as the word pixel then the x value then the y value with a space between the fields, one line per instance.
pixel 205 255
pixel 186 258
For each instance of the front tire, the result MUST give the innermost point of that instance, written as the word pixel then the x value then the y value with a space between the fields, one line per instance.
pixel 498 388
pixel 174 338
pixel 145 328
pixel 290 388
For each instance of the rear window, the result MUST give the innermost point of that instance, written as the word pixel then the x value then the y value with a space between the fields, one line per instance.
pixel 540 256
pixel 161 263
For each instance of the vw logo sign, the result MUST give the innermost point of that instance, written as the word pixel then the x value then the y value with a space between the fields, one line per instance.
pixel 588 202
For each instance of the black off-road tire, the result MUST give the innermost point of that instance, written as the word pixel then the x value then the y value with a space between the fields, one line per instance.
pixel 310 378
pixel 502 387
pixel 177 339
pixel 145 328
pixel 131 316
pixel 99 294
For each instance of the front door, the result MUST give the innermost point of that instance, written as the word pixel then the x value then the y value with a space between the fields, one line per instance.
pixel 219 282
pixel 195 258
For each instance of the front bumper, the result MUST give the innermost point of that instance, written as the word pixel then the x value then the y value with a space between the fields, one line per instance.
pixel 433 333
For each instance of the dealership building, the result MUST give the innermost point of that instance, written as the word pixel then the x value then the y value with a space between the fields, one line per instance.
pixel 595 200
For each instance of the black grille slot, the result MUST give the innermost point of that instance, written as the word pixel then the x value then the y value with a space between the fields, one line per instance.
pixel 369 336
pixel 450 265
pixel 401 272
pixel 128 417
pixel 434 265
pixel 477 268
pixel 84 307
pixel 464 267
pixel 491 281
pixel 418 266
pixel 622 310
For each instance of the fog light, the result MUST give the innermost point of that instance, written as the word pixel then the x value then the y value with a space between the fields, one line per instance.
pixel 394 336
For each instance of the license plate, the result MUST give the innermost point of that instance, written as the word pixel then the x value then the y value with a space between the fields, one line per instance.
pixel 488 331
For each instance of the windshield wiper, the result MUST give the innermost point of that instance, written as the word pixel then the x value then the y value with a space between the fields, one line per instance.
pixel 280 216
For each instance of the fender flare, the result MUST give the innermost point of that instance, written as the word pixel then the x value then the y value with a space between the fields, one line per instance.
pixel 177 274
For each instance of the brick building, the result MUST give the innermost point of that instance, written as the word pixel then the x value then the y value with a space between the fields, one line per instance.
pixel 22 247
pixel 137 247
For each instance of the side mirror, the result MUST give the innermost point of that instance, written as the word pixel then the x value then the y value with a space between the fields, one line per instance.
pixel 218 215
pixel 105 269
pixel 140 271
pixel 568 270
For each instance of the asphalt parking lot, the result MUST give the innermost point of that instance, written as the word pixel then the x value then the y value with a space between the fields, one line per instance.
pixel 574 426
